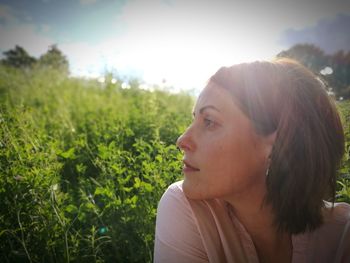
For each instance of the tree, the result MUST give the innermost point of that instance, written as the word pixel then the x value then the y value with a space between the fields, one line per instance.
pixel 18 58
pixel 316 60
pixel 55 59
pixel 340 79
pixel 309 55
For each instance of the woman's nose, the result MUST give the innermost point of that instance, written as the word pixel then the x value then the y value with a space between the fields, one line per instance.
pixel 185 141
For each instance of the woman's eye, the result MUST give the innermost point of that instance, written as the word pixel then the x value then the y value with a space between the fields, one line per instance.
pixel 208 123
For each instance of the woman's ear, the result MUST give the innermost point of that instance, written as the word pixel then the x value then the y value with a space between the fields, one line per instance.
pixel 265 143
pixel 269 141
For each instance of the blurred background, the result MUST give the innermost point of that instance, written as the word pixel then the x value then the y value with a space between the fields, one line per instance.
pixel 94 94
pixel 176 43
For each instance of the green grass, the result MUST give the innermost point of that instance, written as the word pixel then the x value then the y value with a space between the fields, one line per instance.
pixel 343 193
pixel 83 166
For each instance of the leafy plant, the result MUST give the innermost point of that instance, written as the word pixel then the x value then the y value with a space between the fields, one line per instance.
pixel 83 166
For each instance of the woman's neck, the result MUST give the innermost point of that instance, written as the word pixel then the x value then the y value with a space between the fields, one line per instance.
pixel 258 219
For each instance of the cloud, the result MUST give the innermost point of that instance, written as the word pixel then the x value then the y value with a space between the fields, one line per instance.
pixel 25 36
pixel 13 32
pixel 181 41
pixel 45 28
pixel 6 15
pixel 185 42
pixel 84 59
pixel 330 34
pixel 87 2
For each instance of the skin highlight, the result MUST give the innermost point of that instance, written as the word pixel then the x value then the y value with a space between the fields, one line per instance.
pixel 220 143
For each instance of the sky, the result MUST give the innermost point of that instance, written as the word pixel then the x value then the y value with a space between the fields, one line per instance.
pixel 174 43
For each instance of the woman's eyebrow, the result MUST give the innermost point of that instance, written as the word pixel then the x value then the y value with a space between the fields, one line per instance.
pixel 206 107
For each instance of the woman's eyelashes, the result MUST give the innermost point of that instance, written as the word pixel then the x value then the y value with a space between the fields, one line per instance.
pixel 206 121
pixel 209 123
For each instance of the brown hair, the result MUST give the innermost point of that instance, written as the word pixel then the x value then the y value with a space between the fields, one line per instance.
pixel 284 96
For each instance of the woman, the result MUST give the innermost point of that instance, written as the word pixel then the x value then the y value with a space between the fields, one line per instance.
pixel 260 158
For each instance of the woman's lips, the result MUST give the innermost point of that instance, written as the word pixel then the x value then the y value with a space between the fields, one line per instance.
pixel 188 167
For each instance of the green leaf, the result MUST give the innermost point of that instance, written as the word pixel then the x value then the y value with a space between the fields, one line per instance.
pixel 148 187
pixel 89 205
pixel 127 189
pixel 159 158
pixel 137 182
pixel 95 182
pixel 71 209
pixel 103 151
pixel 68 154
pixel 134 199
pixel 100 191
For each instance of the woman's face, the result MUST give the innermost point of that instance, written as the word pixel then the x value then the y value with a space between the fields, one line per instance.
pixel 223 156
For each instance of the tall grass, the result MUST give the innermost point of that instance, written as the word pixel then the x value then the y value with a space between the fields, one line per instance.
pixel 343 193
pixel 83 165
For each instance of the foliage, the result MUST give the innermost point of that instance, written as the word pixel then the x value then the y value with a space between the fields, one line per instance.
pixel 54 59
pixel 83 166
pixel 343 193
pixel 18 58
pixel 309 55
pixel 316 60
pixel 340 79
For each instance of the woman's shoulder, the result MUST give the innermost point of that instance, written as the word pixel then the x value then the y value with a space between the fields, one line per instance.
pixel 196 229
pixel 329 242
pixel 173 197
pixel 174 213
pixel 175 189
pixel 336 218
pixel 336 214
pixel 177 238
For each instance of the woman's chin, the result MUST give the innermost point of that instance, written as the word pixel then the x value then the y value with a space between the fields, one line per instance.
pixel 192 191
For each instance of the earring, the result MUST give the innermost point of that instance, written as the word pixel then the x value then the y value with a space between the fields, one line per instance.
pixel 268 167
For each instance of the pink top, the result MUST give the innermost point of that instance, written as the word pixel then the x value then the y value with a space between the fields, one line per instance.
pixel 201 231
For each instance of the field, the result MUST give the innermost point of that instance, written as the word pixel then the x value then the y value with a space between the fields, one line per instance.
pixel 84 164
